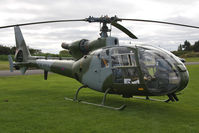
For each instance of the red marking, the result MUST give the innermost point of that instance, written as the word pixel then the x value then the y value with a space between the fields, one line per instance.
pixel 62 68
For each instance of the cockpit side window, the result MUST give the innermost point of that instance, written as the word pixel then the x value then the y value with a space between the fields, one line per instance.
pixel 123 57
pixel 123 60
pixel 124 66
pixel 132 59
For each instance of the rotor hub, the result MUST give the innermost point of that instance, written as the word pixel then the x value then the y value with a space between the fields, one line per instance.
pixel 104 20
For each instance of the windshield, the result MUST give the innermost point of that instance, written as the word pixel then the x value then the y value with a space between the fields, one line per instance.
pixel 159 70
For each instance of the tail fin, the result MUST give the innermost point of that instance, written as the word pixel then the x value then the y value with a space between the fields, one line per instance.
pixel 22 52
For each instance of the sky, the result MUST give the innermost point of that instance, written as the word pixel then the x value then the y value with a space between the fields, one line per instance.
pixel 48 37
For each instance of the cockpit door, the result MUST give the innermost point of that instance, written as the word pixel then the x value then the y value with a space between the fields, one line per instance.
pixel 124 66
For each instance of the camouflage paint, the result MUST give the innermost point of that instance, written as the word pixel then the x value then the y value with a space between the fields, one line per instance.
pixel 88 70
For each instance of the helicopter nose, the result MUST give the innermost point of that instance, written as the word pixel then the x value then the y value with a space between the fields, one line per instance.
pixel 184 77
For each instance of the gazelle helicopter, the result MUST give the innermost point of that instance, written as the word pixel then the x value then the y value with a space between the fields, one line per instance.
pixel 105 66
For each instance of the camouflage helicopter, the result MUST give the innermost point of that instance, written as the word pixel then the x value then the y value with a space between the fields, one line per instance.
pixel 105 66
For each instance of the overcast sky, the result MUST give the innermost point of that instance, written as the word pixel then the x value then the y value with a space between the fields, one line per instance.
pixel 49 37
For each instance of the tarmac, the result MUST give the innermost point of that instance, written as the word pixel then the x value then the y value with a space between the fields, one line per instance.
pixel 191 63
pixel 17 72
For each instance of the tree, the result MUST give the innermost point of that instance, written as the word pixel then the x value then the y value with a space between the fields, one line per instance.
pixel 180 47
pixel 64 53
pixel 35 51
pixel 196 46
pixel 187 46
pixel 12 50
pixel 4 50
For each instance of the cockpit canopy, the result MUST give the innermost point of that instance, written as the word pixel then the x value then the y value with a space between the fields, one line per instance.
pixel 158 69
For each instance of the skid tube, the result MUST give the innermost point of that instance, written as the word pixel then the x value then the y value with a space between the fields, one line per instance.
pixel 171 97
pixel 99 105
pixel 147 98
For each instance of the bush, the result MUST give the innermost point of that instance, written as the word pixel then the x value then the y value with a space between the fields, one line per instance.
pixel 5 57
pixel 186 54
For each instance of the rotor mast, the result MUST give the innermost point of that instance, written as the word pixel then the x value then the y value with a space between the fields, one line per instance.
pixel 103 20
pixel 104 29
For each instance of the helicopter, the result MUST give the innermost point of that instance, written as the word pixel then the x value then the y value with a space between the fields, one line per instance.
pixel 106 66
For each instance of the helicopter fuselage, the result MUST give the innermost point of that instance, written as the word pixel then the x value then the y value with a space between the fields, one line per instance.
pixel 128 70
pixel 132 71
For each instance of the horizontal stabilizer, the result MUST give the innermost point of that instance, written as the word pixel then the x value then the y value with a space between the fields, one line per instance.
pixel 23 70
pixel 10 63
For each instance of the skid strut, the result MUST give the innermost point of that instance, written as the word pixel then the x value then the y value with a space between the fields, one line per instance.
pixel 99 105
pixel 172 97
pixel 77 92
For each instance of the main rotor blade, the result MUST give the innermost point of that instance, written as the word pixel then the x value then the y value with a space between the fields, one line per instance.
pixel 122 28
pixel 161 22
pixel 42 22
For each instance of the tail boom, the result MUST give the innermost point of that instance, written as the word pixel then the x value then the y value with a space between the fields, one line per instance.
pixel 24 60
pixel 63 67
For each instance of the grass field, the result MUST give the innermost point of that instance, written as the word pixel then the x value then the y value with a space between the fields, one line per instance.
pixel 192 59
pixel 4 65
pixel 28 104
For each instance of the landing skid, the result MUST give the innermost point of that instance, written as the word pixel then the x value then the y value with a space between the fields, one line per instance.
pixel 99 105
pixel 151 99
pixel 172 97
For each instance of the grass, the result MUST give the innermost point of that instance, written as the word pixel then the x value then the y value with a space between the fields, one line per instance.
pixel 28 104
pixel 4 57
pixel 4 65
pixel 192 59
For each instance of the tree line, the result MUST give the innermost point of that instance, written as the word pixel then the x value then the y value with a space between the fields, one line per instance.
pixel 5 50
pixel 187 50
pixel 188 47
pixel 183 49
